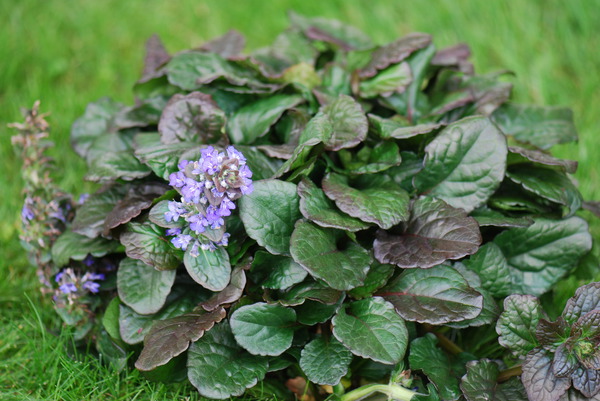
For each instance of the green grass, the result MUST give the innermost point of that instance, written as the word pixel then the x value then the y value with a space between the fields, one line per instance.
pixel 70 53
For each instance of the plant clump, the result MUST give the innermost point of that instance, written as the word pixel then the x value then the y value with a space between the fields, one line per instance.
pixel 326 217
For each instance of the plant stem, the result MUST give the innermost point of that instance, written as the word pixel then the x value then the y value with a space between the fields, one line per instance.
pixel 395 392
pixel 448 345
pixel 508 373
pixel 339 389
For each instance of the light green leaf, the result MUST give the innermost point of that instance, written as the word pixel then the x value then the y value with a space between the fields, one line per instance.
pixel 210 269
pixel 147 242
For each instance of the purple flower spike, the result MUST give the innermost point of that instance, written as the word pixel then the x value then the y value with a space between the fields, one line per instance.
pixel 173 231
pixel 177 180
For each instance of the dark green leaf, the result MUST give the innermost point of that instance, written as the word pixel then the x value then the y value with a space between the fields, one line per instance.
pixel 377 277
pixel 368 160
pixel 148 243
pixel 588 325
pixel 110 351
pixel 219 368
pixel 348 121
pixel 138 198
pixel 387 129
pixel 262 166
pixel 310 290
pixel 312 312
pixel 543 127
pixel 480 384
pixel 464 164
pixel 143 288
pixel 317 250
pixel 434 233
pixel 517 324
pixel 210 269
pixel 269 214
pixel 539 255
pixel 191 118
pixel 191 70
pixel 491 266
pixel 549 184
pixel 288 49
pixel 518 154
pixel 315 206
pixel 114 165
pixel 539 381
pixel 371 328
pixel 426 356
pixel 379 200
pixel 436 296
pixel 90 217
pixel 263 329
pixel 254 120
pixel 325 361
pixel 489 217
pixel 490 310
pixel 75 246
pixel 276 272
pixel 171 337
pixel 551 334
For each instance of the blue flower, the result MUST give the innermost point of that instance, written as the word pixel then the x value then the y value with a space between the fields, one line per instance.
pixel 68 288
pixel 177 180
pixel 173 231
pixel 176 209
pixel 181 241
pixel 26 214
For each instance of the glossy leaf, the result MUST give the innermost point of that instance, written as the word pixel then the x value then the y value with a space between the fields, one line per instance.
pixel 316 250
pixel 517 324
pixel 394 52
pixel 348 121
pixel 143 288
pixel 543 127
pixel 263 329
pixel 147 242
pixel 539 255
pixel 436 296
pixel 435 232
pixel 137 199
pixel 219 368
pixel 75 246
pixel 253 120
pixel 372 329
pixel 379 200
pixel 325 361
pixel 464 164
pixel 210 269
pixel 518 154
pixel 539 381
pixel 480 384
pixel 426 356
pixel 90 217
pixel 269 214
pixel 316 207
pixel 393 79
pixel 276 272
pixel 491 266
pixel 585 300
pixel 169 338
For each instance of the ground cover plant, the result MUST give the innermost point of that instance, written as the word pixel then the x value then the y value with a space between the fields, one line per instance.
pixel 365 161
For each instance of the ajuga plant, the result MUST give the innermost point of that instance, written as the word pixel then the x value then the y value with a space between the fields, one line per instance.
pixel 329 218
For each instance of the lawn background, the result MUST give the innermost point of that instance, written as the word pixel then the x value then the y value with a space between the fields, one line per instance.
pixel 69 53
